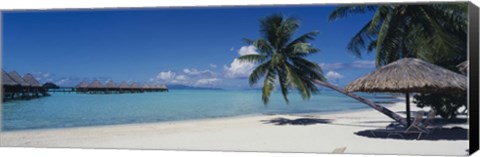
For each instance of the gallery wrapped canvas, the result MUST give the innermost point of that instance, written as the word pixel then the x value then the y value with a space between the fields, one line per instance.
pixel 360 78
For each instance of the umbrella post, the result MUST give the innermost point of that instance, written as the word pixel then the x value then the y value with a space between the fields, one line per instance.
pixel 407 97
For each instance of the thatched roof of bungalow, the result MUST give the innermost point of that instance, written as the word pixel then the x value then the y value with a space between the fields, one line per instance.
pixel 146 86
pixel 410 75
pixel 134 85
pixel 17 78
pixel 123 85
pixel 31 80
pixel 110 84
pixel 82 84
pixel 7 80
pixel 95 84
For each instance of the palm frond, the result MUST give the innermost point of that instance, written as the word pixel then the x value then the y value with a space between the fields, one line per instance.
pixel 268 86
pixel 284 82
pixel 252 58
pixel 344 11
pixel 258 72
pixel 297 81
pixel 262 45
pixel 358 42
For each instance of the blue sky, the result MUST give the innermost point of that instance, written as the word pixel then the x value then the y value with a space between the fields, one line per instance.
pixel 191 46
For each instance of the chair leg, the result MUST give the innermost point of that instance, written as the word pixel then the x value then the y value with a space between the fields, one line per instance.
pixel 419 135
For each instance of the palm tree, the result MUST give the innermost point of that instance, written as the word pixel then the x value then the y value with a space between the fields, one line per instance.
pixel 436 33
pixel 432 32
pixel 282 58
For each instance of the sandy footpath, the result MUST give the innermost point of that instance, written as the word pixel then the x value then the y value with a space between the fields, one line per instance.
pixel 278 133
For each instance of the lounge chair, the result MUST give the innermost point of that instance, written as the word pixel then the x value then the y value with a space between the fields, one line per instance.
pixel 419 126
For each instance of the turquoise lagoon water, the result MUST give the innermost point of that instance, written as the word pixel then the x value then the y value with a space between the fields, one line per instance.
pixel 74 110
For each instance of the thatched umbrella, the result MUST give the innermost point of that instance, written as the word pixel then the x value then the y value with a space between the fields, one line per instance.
pixel 410 75
pixel 31 80
pixel 95 84
pixel 17 78
pixel 463 67
pixel 7 80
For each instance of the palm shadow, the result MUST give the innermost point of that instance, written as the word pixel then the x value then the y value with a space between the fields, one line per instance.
pixel 455 133
pixel 297 121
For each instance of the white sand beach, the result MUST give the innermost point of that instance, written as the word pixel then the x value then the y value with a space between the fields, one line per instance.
pixel 324 133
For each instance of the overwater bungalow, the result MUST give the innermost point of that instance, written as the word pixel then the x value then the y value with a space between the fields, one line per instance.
pixel 16 87
pixel 110 87
pixel 24 90
pixel 96 87
pixel 36 88
pixel 10 87
pixel 123 87
pixel 81 87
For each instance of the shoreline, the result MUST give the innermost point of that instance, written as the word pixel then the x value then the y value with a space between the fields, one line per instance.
pixel 346 111
pixel 263 133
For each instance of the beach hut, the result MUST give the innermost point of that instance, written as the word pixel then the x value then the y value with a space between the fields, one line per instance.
pixel 409 75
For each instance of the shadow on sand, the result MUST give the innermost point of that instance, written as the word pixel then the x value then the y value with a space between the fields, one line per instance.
pixel 455 133
pixel 297 121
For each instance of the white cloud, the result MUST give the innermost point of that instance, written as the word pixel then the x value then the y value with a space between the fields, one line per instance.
pixel 358 64
pixel 188 76
pixel 207 82
pixel 43 76
pixel 181 78
pixel 213 66
pixel 332 66
pixel 333 75
pixel 232 49
pixel 166 76
pixel 238 69
pixel 247 50
pixel 363 64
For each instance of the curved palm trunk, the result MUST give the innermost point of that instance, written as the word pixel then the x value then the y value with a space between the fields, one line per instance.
pixel 375 106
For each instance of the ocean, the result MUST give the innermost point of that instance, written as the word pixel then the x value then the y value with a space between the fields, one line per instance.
pixel 62 110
